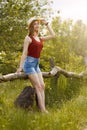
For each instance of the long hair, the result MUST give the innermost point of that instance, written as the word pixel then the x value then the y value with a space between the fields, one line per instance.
pixel 31 29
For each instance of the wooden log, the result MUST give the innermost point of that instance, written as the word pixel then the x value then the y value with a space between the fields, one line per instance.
pixel 55 71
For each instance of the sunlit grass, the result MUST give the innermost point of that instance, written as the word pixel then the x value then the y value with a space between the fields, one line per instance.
pixel 72 115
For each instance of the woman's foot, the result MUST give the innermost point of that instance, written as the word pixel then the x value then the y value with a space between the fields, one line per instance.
pixel 45 111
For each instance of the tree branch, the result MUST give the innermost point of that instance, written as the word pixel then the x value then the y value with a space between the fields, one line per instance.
pixel 55 71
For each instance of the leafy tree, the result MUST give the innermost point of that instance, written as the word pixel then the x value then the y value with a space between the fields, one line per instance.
pixel 79 38
pixel 62 48
pixel 13 17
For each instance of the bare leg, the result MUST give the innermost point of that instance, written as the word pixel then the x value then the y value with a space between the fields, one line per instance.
pixel 42 86
pixel 36 83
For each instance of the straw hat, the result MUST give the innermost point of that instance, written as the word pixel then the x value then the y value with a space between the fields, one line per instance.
pixel 32 20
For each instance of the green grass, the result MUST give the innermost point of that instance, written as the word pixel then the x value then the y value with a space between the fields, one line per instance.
pixel 72 115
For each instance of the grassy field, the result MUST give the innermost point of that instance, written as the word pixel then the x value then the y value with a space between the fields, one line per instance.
pixel 71 115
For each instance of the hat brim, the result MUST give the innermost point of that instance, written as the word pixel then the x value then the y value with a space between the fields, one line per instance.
pixel 30 21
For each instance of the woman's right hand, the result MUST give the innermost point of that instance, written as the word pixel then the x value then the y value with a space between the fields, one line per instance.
pixel 43 21
pixel 19 70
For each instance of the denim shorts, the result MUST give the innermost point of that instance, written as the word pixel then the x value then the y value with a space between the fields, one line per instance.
pixel 31 65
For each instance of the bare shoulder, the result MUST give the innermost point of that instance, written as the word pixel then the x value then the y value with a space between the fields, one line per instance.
pixel 27 39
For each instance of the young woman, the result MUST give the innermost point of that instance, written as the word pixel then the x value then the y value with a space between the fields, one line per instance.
pixel 33 45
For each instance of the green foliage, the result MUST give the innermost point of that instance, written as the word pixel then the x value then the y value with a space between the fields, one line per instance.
pixel 62 89
pixel 13 29
pixel 64 48
pixel 78 43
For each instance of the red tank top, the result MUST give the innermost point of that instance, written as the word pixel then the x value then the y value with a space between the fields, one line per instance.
pixel 35 48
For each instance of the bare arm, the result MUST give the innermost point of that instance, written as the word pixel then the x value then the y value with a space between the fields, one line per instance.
pixel 52 33
pixel 27 41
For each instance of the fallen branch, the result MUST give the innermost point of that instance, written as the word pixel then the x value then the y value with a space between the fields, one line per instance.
pixel 55 71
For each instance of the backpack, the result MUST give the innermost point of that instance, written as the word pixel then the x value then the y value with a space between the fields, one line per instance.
pixel 26 98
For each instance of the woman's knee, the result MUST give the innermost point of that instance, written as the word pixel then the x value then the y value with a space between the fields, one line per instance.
pixel 38 87
pixel 43 86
